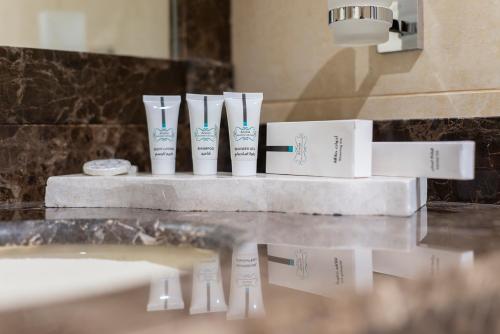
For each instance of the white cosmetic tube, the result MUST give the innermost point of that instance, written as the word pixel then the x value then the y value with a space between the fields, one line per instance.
pixel 208 293
pixel 434 160
pixel 245 294
pixel 204 118
pixel 162 114
pixel 243 116
pixel 165 292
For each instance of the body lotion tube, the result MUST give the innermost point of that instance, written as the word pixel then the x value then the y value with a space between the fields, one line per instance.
pixel 162 114
pixel 243 116
pixel 204 118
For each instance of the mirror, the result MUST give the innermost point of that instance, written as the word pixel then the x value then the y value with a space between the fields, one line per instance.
pixel 120 27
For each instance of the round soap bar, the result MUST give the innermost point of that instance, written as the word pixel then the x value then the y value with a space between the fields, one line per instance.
pixel 108 167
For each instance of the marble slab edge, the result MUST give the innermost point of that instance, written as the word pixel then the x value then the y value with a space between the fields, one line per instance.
pixel 392 196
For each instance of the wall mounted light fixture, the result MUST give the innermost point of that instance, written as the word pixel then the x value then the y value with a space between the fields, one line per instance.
pixel 392 25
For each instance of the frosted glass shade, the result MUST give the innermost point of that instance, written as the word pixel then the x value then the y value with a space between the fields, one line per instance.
pixel 360 32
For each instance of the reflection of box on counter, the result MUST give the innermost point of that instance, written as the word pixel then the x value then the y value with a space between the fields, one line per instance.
pixel 420 261
pixel 322 271
pixel 327 148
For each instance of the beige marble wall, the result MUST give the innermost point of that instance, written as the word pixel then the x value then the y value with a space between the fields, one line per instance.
pixel 124 27
pixel 284 48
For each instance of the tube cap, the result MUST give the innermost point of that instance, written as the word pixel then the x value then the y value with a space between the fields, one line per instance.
pixel 244 168
pixel 204 167
pixel 163 167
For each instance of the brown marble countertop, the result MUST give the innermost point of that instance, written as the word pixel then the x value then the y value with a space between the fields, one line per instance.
pixel 448 300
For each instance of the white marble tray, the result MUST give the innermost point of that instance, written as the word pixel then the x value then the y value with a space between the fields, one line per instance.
pixel 394 196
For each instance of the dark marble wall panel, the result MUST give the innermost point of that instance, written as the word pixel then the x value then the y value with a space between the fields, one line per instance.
pixel 208 77
pixel 204 29
pixel 57 87
pixel 29 154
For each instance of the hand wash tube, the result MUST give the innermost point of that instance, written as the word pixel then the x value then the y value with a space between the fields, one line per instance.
pixel 208 292
pixel 162 115
pixel 243 116
pixel 204 118
pixel 245 294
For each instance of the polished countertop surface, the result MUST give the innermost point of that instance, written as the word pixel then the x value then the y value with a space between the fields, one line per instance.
pixel 434 272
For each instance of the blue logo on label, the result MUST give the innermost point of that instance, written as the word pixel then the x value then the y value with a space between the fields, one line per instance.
pixel 164 134
pixel 205 134
pixel 245 133
pixel 300 149
pixel 302 265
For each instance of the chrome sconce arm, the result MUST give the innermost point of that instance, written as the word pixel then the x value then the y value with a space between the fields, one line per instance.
pixel 407 31
pixel 404 28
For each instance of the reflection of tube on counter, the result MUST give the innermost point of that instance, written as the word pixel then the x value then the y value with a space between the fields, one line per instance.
pixel 208 293
pixel 322 271
pixel 165 292
pixel 245 295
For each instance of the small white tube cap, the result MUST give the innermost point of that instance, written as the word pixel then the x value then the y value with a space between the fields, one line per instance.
pixel 204 167
pixel 163 167
pixel 244 168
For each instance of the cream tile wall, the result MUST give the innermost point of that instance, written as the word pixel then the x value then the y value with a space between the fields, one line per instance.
pixel 284 48
pixel 125 27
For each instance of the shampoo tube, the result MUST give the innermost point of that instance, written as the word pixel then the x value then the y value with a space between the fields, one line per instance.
pixel 208 293
pixel 204 117
pixel 162 115
pixel 243 115
pixel 245 294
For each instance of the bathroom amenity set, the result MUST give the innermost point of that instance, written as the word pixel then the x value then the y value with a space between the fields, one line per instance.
pixel 323 167
pixel 341 148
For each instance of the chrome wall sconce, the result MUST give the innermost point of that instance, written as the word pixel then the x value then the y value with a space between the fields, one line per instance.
pixel 391 25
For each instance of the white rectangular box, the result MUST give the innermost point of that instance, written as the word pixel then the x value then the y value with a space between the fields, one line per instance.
pixel 392 196
pixel 325 148
pixel 436 160
pixel 421 261
pixel 320 271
